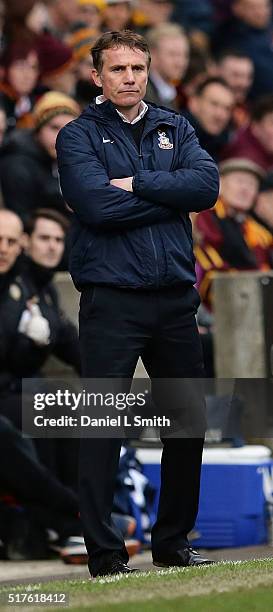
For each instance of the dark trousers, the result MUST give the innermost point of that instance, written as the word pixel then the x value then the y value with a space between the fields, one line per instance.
pixel 117 326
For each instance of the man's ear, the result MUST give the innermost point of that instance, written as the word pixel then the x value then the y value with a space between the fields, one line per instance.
pixel 193 104
pixel 25 242
pixel 96 77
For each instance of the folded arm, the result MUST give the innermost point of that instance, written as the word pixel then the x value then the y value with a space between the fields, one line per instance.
pixel 192 187
pixel 87 189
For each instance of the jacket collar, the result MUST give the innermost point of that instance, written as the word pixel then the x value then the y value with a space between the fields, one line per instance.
pixel 142 110
pixel 106 112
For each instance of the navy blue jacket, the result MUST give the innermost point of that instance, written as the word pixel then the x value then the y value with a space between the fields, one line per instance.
pixel 141 239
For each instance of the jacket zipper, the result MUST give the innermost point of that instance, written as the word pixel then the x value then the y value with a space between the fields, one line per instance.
pixel 150 229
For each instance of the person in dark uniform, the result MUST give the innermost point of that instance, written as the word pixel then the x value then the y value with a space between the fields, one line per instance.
pixel 11 232
pixel 132 172
pixel 32 323
pixel 22 474
pixel 33 327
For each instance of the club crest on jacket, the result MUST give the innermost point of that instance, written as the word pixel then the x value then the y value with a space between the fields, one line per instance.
pixel 164 141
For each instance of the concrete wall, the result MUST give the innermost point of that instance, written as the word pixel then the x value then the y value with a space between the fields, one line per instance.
pixel 239 324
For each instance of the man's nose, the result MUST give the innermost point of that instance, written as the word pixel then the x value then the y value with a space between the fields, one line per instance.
pixel 53 244
pixel 4 245
pixel 129 76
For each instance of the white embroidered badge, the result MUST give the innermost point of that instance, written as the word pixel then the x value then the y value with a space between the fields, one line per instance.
pixel 164 141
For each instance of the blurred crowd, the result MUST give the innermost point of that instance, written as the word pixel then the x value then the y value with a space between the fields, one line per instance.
pixel 212 61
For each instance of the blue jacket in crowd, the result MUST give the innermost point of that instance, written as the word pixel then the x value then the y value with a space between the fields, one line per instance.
pixel 141 239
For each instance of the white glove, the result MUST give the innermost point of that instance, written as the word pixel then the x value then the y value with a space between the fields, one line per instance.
pixel 35 326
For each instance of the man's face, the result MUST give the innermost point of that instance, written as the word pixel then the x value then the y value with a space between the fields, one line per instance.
pixel 10 240
pixel 171 58
pixel 117 15
pixel 256 13
pixel 90 15
pixel 67 10
pixel 213 108
pixel 47 135
pixel 263 130
pixel 238 73
pixel 239 190
pixel 123 77
pixel 46 243
pixel 156 12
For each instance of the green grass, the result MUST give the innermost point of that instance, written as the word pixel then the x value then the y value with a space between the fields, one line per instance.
pixel 244 586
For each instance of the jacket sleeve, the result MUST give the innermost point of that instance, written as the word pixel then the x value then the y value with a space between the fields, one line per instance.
pixel 192 187
pixel 86 187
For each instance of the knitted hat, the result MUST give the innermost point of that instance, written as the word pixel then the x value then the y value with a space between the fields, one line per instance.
pixel 81 41
pixel 52 104
pixel 54 56
pixel 237 164
pixel 99 4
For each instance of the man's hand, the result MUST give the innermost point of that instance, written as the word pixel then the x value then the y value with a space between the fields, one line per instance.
pixel 124 183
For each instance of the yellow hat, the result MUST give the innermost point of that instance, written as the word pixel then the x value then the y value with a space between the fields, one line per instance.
pixel 81 41
pixel 50 105
pixel 99 4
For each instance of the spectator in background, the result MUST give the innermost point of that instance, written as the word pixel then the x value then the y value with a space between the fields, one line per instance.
pixel 255 142
pixel 199 69
pixel 117 15
pixel 32 327
pixel 151 13
pixel 32 324
pixel 28 166
pixel 10 245
pixel 170 58
pixel 21 71
pixel 228 238
pixel 90 13
pixel 210 111
pixel 263 209
pixel 81 41
pixel 237 70
pixel 15 22
pixel 250 30
pixel 61 16
pixel 57 65
pixel 197 18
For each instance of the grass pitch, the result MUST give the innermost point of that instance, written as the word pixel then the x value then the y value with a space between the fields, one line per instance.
pixel 226 587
